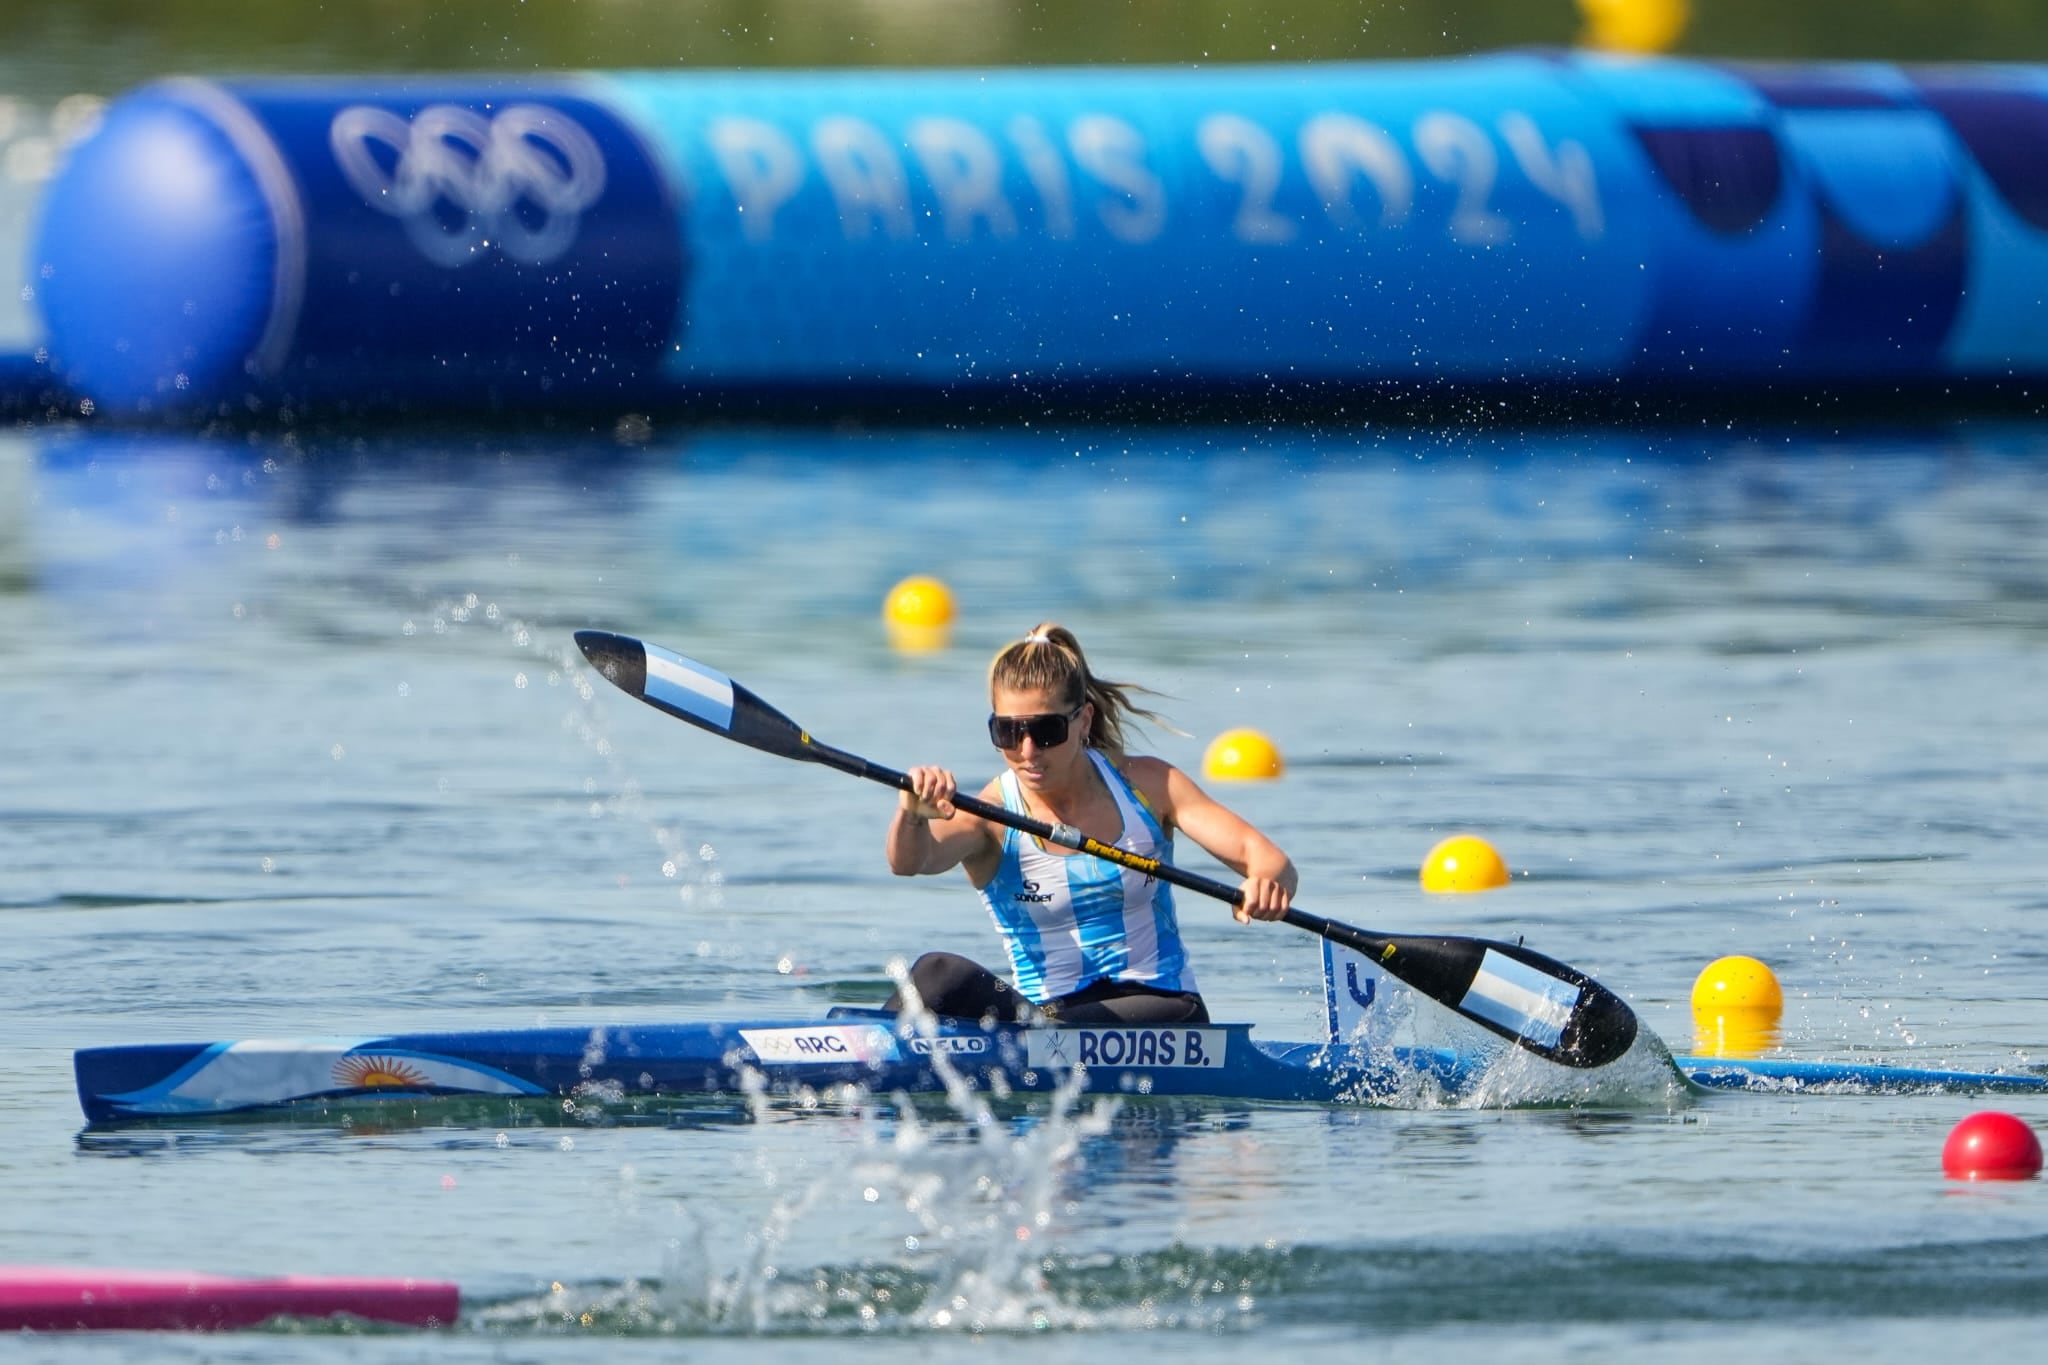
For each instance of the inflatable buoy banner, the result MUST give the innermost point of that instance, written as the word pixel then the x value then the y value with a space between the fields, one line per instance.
pixel 322 241
pixel 1521 218
pixel 945 227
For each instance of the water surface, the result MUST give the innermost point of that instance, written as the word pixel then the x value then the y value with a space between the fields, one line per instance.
pixel 296 745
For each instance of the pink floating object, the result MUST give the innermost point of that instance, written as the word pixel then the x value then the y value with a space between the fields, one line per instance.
pixel 1992 1145
pixel 61 1299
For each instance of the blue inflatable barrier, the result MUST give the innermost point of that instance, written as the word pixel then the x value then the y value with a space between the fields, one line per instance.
pixel 25 383
pixel 629 238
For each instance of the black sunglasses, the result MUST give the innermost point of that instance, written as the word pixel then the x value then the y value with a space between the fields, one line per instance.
pixel 1047 731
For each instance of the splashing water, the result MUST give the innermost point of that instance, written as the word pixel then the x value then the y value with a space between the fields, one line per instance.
pixel 558 664
pixel 972 1203
pixel 980 1192
pixel 1644 1076
pixel 1414 1055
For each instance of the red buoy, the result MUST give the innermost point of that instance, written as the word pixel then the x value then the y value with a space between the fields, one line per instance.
pixel 1991 1146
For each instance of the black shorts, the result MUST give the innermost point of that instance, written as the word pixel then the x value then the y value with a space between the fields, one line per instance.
pixel 959 988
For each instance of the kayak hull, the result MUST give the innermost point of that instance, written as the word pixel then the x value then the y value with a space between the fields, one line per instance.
pixel 848 1048
pixel 771 1057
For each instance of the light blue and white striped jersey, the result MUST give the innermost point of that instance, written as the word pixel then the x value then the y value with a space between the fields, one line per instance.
pixel 1070 922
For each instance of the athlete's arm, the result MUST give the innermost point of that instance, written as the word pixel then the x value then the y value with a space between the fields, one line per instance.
pixel 1269 876
pixel 929 835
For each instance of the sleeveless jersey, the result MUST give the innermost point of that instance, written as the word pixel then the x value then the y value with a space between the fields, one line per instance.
pixel 1070 922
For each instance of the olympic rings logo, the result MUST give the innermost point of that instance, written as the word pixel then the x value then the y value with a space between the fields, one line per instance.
pixel 462 183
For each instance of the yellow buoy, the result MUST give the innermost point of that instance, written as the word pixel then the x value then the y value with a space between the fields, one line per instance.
pixel 1736 1007
pixel 1634 25
pixel 1738 983
pixel 918 613
pixel 1242 756
pixel 1463 862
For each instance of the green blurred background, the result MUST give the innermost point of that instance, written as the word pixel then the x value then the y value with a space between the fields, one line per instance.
pixel 53 47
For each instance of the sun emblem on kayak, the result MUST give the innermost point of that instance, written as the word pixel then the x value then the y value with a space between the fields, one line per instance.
pixel 364 1072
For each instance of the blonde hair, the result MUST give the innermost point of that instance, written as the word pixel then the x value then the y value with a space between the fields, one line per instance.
pixel 1049 659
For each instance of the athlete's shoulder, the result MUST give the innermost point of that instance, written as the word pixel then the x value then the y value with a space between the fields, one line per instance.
pixel 1144 768
pixel 1154 780
pixel 992 793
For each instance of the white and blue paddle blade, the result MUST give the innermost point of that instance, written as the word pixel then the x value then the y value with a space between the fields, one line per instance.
pixel 1539 1003
pixel 694 692
pixel 1549 1008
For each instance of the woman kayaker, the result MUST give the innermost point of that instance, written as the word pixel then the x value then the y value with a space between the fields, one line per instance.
pixel 1090 942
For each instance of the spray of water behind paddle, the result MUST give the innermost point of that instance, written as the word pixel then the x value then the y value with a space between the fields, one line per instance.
pixel 1390 1052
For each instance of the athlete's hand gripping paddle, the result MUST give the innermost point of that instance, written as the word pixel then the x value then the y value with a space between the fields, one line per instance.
pixel 1553 1010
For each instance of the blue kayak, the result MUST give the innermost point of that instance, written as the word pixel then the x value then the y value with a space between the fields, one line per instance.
pixel 633 1067
pixel 854 1048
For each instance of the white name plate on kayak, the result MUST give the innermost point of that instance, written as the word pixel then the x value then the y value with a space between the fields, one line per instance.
pixel 1053 1048
pixel 863 1043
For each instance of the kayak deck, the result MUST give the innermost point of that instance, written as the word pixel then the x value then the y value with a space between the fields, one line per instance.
pixel 851 1047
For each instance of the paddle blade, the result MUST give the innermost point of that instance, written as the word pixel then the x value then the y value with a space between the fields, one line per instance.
pixel 693 692
pixel 1539 1003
